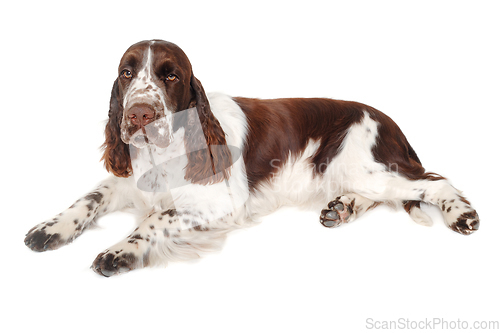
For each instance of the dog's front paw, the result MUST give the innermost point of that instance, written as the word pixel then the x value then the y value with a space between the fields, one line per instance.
pixel 42 237
pixel 110 263
pixel 131 253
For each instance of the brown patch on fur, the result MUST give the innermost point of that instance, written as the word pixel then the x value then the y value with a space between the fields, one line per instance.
pixel 280 127
pixel 170 212
pixel 374 205
pixel 464 200
pixel 116 155
pixel 394 151
pixel 408 205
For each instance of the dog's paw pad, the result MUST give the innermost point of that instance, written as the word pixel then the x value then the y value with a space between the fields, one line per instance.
pixel 337 213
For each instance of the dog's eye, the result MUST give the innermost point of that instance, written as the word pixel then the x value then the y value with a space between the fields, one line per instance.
pixel 171 77
pixel 126 74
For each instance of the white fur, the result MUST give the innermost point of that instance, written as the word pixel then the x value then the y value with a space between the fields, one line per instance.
pixel 420 217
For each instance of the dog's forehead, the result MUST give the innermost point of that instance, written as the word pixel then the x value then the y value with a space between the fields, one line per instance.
pixel 161 51
pixel 135 54
pixel 169 51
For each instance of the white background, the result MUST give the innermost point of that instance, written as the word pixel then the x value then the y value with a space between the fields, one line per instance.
pixel 433 66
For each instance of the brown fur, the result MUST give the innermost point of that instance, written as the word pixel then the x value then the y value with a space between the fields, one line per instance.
pixel 280 127
pixel 206 166
pixel 116 155
pixel 284 126
pixel 393 149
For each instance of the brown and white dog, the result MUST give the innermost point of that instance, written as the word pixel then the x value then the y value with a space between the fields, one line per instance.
pixel 195 166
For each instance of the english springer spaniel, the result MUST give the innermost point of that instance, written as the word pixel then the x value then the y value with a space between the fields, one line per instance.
pixel 195 166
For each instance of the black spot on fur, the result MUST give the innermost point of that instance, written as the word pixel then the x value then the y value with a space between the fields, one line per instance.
pixel 470 215
pixel 200 228
pixel 422 195
pixel 94 196
pixel 462 223
pixel 170 212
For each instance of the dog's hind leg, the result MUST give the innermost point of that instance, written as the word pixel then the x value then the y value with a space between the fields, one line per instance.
pixel 378 164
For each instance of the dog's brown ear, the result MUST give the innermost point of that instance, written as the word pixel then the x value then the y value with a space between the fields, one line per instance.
pixel 116 155
pixel 211 165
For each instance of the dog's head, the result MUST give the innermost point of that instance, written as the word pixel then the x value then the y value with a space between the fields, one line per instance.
pixel 155 82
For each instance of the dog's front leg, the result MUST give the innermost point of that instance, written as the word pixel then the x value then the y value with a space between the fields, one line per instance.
pixel 168 235
pixel 68 225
